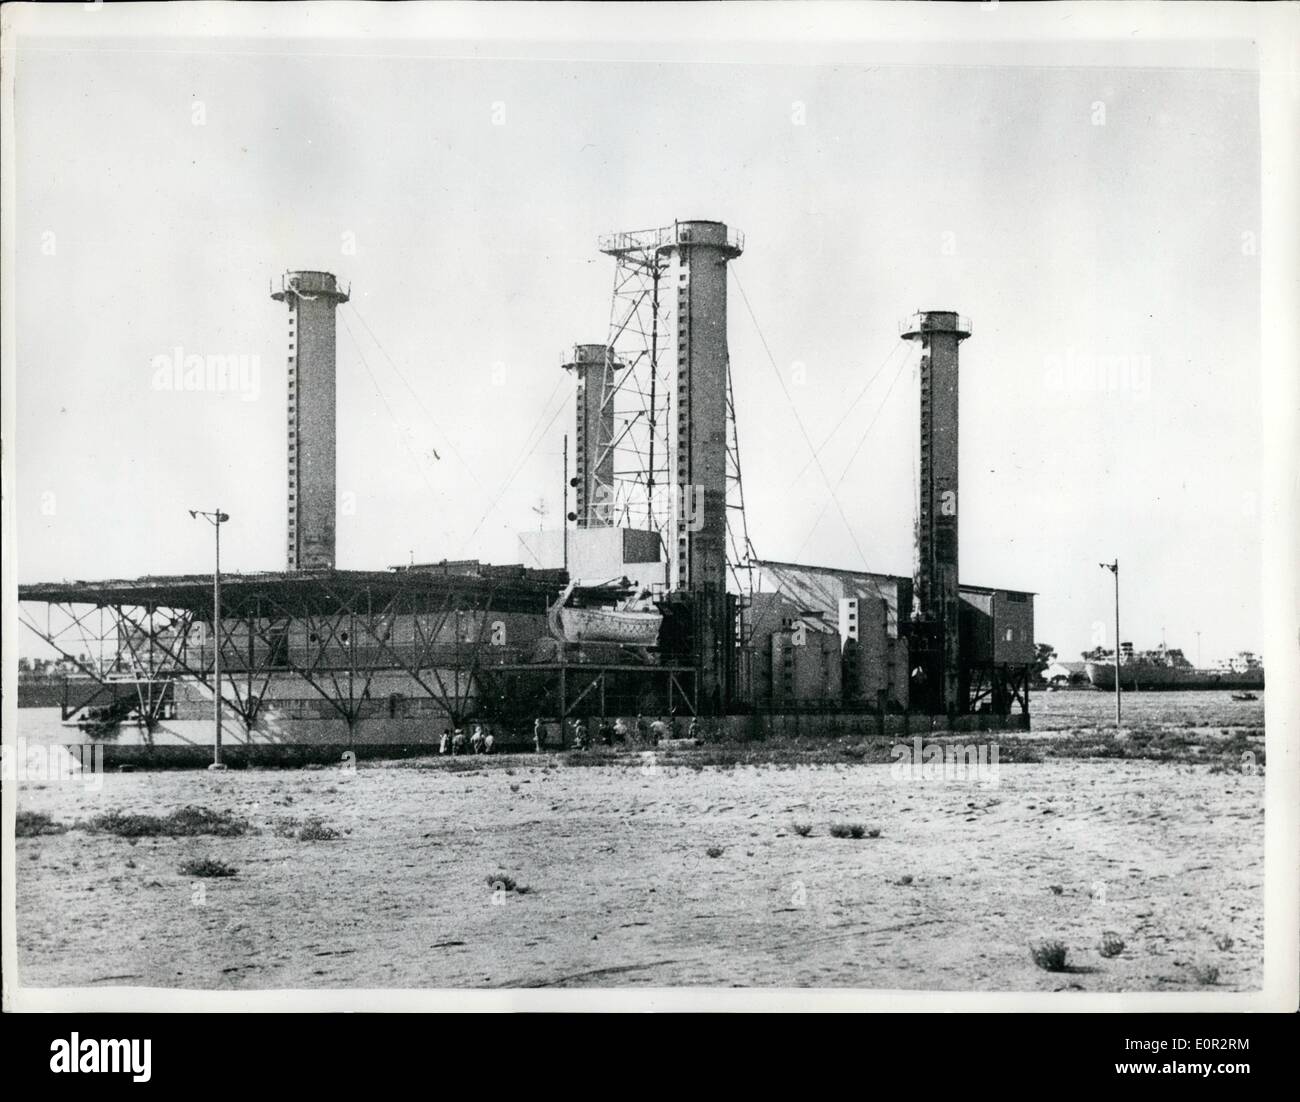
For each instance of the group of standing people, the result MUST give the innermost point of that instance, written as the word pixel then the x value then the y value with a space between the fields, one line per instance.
pixel 639 733
pixel 455 742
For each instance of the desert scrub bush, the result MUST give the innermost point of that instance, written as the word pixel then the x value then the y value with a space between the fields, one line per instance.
pixel 1049 955
pixel 311 829
pixel 501 882
pixel 873 832
pixel 848 830
pixel 1207 974
pixel 315 830
pixel 32 824
pixel 186 822
pixel 802 829
pixel 207 866
pixel 1111 944
pixel 714 851
pixel 1224 942
pixel 1240 748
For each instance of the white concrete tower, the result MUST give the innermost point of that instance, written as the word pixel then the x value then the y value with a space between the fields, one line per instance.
pixel 593 366
pixel 312 298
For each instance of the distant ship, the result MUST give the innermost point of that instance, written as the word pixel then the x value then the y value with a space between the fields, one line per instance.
pixel 1169 669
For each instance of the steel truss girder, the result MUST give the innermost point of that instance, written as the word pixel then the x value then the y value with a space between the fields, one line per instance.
pixel 77 622
pixel 559 679
pixel 146 641
pixel 1001 685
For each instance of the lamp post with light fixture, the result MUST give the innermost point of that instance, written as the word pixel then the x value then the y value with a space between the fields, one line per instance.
pixel 1113 567
pixel 216 518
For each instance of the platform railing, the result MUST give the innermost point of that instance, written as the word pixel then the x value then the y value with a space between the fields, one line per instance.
pixel 920 323
pixel 662 238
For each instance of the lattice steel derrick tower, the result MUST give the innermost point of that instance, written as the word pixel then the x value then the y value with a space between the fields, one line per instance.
pixel 631 438
pixel 671 399
pixel 667 385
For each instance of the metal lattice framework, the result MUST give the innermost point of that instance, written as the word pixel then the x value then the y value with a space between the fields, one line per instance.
pixel 640 387
pixel 741 556
pixel 998 686
pixel 331 635
pixel 151 635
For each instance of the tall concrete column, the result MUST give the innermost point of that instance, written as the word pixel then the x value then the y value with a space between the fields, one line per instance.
pixel 312 298
pixel 937 601
pixel 698 555
pixel 593 367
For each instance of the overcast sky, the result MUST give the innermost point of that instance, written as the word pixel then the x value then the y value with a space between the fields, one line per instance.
pixel 1072 213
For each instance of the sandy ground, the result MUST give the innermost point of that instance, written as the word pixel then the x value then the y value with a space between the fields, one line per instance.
pixel 623 892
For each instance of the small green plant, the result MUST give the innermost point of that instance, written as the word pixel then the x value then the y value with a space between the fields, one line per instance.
pixel 1224 942
pixel 1111 944
pixel 32 824
pixel 207 866
pixel 714 851
pixel 1049 956
pixel 802 829
pixel 848 830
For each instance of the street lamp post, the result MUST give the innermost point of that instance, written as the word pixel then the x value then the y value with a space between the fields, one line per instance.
pixel 216 518
pixel 1113 567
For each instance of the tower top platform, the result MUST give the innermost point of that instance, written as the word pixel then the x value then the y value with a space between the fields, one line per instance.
pixel 921 322
pixel 679 234
pixel 309 285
